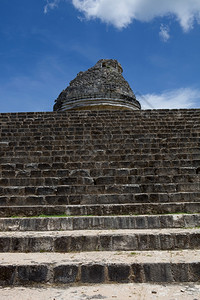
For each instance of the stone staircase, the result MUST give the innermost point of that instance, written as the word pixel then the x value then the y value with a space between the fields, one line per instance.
pixel 100 197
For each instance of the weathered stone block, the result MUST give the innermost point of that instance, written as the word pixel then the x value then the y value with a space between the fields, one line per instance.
pixel 194 272
pixel 158 272
pixel 119 273
pixel 138 273
pixel 63 244
pixel 17 244
pixel 105 243
pixel 5 244
pixel 32 273
pixel 180 272
pixel 167 241
pixel 124 242
pixel 7 275
pixel 141 222
pixel 181 241
pixel 153 222
pixel 65 274
pixel 93 273
pixel 141 198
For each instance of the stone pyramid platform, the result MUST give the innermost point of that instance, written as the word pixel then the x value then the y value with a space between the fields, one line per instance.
pixel 100 197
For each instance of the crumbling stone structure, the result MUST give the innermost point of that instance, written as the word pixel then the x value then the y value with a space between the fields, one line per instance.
pixel 99 183
pixel 101 87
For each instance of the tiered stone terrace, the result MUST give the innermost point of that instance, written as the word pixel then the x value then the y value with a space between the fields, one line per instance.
pixel 100 196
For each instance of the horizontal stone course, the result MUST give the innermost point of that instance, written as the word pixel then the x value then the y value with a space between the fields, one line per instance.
pixel 60 166
pixel 87 180
pixel 102 242
pixel 43 171
pixel 99 222
pixel 133 270
pixel 91 199
pixel 98 210
pixel 107 154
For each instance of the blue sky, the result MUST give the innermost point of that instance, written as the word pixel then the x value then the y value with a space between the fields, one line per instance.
pixel 44 44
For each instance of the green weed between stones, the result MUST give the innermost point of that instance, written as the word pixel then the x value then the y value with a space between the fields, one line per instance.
pixel 43 251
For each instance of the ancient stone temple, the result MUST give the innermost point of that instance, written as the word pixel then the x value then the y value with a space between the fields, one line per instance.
pixel 118 187
pixel 99 88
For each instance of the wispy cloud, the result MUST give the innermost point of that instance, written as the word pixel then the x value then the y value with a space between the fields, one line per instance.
pixel 164 33
pixel 122 13
pixel 178 98
pixel 50 4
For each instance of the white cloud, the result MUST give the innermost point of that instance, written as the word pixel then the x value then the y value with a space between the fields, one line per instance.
pixel 121 13
pixel 51 4
pixel 179 98
pixel 164 33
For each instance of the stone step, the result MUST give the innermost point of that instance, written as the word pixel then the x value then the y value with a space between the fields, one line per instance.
pixel 84 140
pixel 40 157
pixel 123 163
pixel 96 240
pixel 124 123
pixel 75 115
pixel 89 190
pixel 29 157
pixel 159 115
pixel 50 170
pixel 97 127
pixel 11 151
pixel 137 137
pixel 102 130
pixel 84 178
pixel 134 136
pixel 70 143
pixel 102 117
pixel 100 210
pixel 99 267
pixel 99 222
pixel 177 113
pixel 158 131
pixel 100 120
pixel 174 167
pixel 80 199
pixel 114 148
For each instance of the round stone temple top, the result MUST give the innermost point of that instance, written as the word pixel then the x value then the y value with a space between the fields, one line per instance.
pixel 99 88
